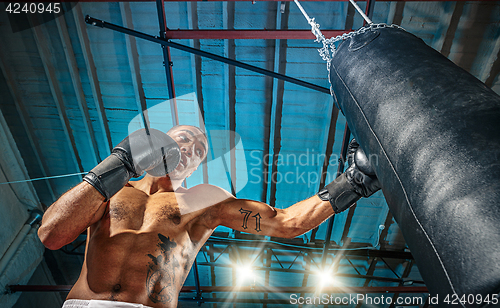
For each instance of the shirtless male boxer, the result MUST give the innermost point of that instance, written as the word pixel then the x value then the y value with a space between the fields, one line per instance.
pixel 143 236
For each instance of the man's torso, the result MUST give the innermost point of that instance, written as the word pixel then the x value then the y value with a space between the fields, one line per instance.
pixel 142 249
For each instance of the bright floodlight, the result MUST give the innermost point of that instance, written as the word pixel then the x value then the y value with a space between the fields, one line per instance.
pixel 325 278
pixel 244 273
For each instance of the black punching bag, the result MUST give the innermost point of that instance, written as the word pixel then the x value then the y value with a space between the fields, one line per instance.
pixel 435 130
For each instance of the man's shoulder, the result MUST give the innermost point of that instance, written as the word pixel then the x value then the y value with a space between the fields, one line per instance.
pixel 209 193
pixel 202 196
pixel 208 189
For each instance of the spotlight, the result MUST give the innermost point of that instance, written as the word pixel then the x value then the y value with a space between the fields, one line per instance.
pixel 244 273
pixel 325 278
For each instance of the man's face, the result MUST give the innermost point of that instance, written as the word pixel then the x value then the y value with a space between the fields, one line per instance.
pixel 193 145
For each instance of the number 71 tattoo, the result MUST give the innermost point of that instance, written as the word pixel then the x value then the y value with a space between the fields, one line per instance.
pixel 247 215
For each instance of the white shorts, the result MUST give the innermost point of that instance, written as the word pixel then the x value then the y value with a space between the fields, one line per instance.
pixel 80 303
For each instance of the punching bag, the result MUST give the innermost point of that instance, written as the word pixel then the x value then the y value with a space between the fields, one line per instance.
pixel 432 132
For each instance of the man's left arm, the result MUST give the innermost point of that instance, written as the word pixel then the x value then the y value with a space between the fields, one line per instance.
pixel 260 218
pixel 255 217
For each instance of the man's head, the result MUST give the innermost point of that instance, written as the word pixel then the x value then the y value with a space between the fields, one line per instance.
pixel 194 147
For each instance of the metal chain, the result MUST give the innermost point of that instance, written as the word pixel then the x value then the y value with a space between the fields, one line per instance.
pixel 329 48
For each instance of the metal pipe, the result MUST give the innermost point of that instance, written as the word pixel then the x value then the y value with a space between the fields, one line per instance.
pixel 167 61
pixel 247 34
pixel 196 279
pixel 208 289
pixel 361 12
pixel 165 42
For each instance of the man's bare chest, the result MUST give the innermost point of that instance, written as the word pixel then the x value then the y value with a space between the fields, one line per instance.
pixel 132 209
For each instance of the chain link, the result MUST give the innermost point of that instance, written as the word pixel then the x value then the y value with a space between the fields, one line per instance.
pixel 328 50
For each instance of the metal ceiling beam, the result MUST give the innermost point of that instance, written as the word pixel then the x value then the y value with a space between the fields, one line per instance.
pixel 250 289
pixel 452 28
pixel 307 267
pixel 92 74
pixel 340 170
pixel 77 85
pixel 196 74
pixel 230 93
pixel 267 275
pixel 41 39
pixel 167 61
pixel 328 153
pixel 212 270
pixel 369 272
pixel 331 290
pixel 301 271
pixel 314 249
pixel 248 34
pixel 135 70
pixel 166 42
pixel 494 71
pixel 406 273
pixel 370 7
pixel 349 19
pixel 398 13
pixel 277 106
pixel 25 118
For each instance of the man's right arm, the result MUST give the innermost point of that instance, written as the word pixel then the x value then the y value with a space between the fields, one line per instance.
pixel 152 151
pixel 70 215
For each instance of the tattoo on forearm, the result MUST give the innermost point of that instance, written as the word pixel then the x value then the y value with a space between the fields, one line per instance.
pixel 161 275
pixel 247 215
pixel 257 222
pixel 245 219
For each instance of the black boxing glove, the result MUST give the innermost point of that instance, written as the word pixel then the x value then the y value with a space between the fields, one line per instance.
pixel 155 153
pixel 359 180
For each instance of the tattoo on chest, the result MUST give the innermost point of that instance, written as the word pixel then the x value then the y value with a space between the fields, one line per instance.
pixel 160 281
pixel 247 215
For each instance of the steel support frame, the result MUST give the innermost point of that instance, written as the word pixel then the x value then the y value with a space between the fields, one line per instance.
pixel 40 35
pixel 276 110
pixel 133 60
pixel 167 60
pixel 92 75
pixel 312 248
pixel 248 34
pixel 340 170
pixel 252 289
pixel 166 42
pixel 196 72
pixel 310 272
pixel 230 95
pixel 69 53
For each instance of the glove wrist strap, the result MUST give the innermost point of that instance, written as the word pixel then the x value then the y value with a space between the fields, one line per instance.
pixel 109 176
pixel 340 193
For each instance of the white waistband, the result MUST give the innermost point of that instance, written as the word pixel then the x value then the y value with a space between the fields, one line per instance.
pixel 80 303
